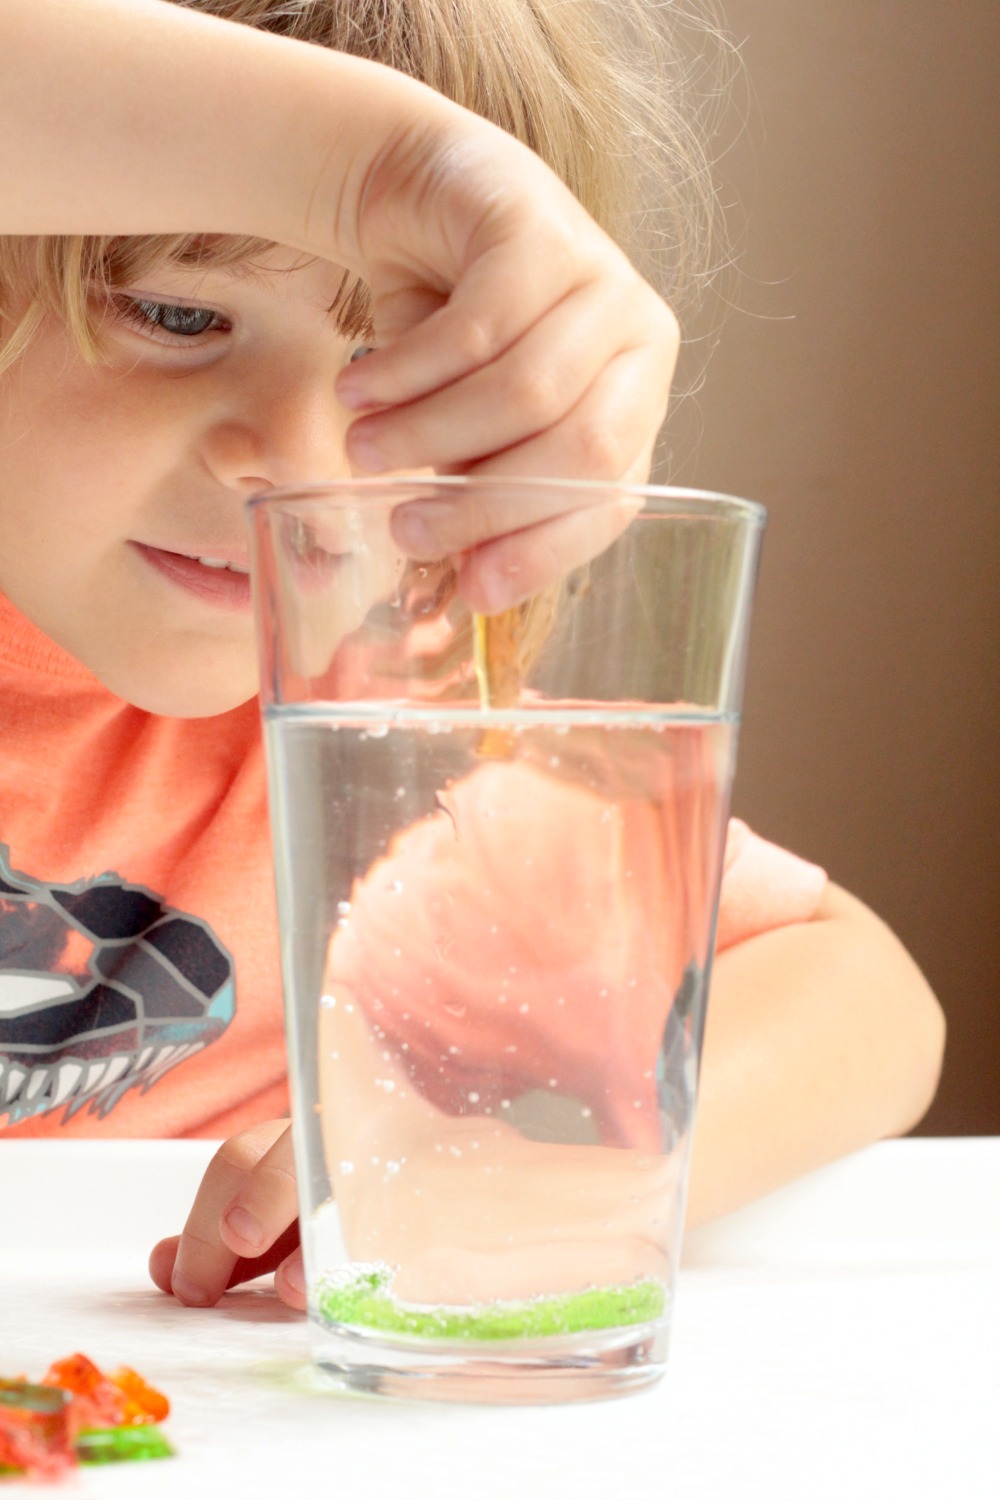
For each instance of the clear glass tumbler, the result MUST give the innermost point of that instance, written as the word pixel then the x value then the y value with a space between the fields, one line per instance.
pixel 498 845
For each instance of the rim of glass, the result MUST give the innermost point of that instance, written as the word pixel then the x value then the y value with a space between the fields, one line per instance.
pixel 661 499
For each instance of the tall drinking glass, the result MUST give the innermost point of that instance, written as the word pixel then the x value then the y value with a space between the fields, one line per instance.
pixel 498 845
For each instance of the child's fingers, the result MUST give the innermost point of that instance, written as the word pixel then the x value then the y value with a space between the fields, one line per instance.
pixel 456 307
pixel 499 574
pixel 608 436
pixel 265 1203
pixel 290 1280
pixel 161 1261
pixel 281 1258
pixel 525 390
pixel 204 1262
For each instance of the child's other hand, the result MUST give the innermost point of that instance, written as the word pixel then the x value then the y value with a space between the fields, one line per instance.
pixel 244 1223
pixel 516 340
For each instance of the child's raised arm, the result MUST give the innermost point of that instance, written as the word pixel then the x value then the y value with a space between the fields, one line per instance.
pixel 515 337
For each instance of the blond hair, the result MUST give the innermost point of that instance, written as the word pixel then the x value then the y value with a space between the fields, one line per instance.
pixel 600 89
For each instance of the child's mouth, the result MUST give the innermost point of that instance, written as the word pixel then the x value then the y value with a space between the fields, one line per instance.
pixel 221 581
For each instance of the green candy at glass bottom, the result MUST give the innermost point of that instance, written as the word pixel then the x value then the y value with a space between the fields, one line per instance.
pixel 361 1297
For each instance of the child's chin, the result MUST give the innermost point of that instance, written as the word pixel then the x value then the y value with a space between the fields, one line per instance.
pixel 198 695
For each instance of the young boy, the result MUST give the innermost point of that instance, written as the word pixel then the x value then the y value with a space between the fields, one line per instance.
pixel 205 225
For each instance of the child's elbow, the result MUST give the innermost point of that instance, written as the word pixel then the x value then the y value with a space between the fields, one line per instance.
pixel 926 1042
pixel 903 1020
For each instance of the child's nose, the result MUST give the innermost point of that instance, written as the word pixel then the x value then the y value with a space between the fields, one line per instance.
pixel 287 431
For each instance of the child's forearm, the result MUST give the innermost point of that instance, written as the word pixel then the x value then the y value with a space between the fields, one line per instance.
pixel 821 1037
pixel 136 116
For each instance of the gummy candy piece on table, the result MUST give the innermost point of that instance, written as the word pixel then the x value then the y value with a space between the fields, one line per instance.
pixel 77 1414
pixel 34 1430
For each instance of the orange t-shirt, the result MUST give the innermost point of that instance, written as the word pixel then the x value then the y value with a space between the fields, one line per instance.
pixel 139 981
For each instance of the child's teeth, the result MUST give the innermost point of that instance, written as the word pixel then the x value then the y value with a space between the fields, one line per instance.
pixel 216 562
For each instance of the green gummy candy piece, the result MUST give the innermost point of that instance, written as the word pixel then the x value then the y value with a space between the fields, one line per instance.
pixel 115 1445
pixel 361 1297
pixel 43 1400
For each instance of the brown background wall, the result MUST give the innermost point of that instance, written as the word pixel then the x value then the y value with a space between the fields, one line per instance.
pixel 854 392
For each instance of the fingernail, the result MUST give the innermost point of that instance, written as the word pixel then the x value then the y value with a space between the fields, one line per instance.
pixel 495 591
pixel 295 1274
pixel 413 534
pixel 352 395
pixel 189 1292
pixel 365 453
pixel 244 1226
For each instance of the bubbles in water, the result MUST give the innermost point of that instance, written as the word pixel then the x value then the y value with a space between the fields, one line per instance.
pixel 345 1168
pixel 378 731
pixel 586 1112
pixel 388 1085
pixel 505 1104
pixel 396 887
pixel 524 1007
pixel 400 793
pixel 453 1051
pixel 553 761
pixel 553 1083
pixel 454 1150
pixel 454 1008
pixel 392 1168
pixel 328 1001
pixel 344 908
pixel 473 1097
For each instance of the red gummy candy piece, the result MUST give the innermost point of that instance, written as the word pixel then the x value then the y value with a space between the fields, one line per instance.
pixel 35 1433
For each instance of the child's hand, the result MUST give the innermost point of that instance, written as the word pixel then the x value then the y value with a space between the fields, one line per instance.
pixel 517 339
pixel 251 1180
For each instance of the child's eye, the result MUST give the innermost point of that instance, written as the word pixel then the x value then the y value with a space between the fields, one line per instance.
pixel 169 317
pixel 360 352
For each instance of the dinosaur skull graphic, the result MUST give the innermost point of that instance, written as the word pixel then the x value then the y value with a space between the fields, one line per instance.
pixel 102 989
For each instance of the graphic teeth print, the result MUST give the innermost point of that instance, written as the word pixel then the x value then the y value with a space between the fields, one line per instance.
pixel 102 989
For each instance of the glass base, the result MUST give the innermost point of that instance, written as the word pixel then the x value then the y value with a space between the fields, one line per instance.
pixel 517 1372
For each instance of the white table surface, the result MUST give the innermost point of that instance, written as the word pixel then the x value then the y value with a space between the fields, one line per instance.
pixel 839 1340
